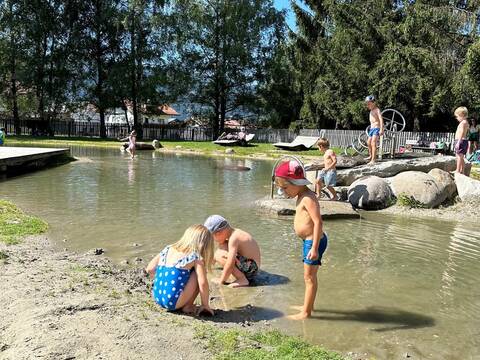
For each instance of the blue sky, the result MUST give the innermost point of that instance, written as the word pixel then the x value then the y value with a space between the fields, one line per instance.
pixel 285 4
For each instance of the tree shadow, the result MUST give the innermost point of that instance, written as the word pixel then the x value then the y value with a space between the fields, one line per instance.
pixel 396 318
pixel 244 314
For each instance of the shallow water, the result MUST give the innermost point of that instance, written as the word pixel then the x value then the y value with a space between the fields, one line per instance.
pixel 388 285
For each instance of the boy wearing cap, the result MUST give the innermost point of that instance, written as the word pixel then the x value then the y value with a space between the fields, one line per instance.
pixel 238 252
pixel 376 127
pixel 290 178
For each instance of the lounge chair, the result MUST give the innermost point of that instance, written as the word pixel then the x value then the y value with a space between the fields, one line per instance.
pixel 299 143
pixel 236 141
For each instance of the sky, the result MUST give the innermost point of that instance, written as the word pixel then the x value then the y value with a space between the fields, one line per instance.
pixel 285 4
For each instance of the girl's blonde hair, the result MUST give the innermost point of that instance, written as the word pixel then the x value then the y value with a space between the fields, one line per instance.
pixel 197 238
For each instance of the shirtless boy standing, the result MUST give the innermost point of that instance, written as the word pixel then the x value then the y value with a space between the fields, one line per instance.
pixel 328 175
pixel 290 177
pixel 376 127
pixel 238 252
pixel 461 141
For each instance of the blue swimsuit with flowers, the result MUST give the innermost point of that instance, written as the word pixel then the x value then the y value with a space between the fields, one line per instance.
pixel 170 281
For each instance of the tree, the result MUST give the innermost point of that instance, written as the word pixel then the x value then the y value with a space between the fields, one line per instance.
pixel 226 49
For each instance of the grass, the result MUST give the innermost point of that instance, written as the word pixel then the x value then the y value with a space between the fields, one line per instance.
pixel 15 224
pixel 409 201
pixel 244 345
pixel 204 147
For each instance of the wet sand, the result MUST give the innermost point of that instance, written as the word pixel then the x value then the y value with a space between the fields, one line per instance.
pixel 62 305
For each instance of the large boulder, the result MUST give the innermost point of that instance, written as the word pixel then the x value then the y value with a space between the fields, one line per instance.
pixel 418 187
pixel 445 182
pixel 370 193
pixel 390 168
pixel 468 188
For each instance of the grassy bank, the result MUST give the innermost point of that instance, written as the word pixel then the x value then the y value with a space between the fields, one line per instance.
pixel 204 147
pixel 244 345
pixel 15 224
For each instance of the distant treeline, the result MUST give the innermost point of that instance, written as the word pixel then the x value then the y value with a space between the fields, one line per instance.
pixel 420 57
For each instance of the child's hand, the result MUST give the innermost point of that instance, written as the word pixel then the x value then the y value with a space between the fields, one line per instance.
pixel 312 254
pixel 205 310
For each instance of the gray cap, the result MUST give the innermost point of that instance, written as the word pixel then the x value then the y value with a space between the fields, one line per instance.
pixel 370 98
pixel 215 223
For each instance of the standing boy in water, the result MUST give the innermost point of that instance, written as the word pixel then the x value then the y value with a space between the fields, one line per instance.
pixel 376 127
pixel 238 252
pixel 290 177
pixel 461 141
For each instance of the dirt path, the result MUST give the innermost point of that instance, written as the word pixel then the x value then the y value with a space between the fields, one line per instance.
pixel 61 305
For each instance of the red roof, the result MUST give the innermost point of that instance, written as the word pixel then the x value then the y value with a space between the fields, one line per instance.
pixel 168 110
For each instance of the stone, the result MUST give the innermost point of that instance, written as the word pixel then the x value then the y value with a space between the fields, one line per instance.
pixel 156 144
pixel 229 151
pixel 343 162
pixel 98 251
pixel 178 147
pixel 445 183
pixel 468 188
pixel 419 187
pixel 389 168
pixel 370 193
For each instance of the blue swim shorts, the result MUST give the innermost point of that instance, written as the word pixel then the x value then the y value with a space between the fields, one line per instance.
pixel 322 246
pixel 374 132
pixel 329 178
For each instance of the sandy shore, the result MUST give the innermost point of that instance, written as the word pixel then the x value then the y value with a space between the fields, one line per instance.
pixel 62 305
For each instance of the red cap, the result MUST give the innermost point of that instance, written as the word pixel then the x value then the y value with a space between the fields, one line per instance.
pixel 293 172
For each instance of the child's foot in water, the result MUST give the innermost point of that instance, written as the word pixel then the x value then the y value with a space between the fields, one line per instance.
pixel 300 316
pixel 239 283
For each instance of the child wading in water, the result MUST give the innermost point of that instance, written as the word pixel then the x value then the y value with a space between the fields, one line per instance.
pixel 132 140
pixel 180 272
pixel 238 252
pixel 290 178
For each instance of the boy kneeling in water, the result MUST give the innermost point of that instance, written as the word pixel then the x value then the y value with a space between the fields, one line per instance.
pixel 238 252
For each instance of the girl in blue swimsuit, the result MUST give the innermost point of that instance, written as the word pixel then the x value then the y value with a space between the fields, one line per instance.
pixel 179 272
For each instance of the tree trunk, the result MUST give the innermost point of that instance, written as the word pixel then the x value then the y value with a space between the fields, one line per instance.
pixel 13 87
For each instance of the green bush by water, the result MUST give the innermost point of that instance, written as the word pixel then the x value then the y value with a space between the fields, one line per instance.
pixel 15 224
pixel 409 201
pixel 244 345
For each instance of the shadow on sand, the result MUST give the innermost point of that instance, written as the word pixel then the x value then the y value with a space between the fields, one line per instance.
pixel 244 314
pixel 396 319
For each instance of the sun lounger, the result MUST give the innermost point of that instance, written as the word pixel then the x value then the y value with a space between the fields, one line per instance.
pixel 299 143
pixel 232 142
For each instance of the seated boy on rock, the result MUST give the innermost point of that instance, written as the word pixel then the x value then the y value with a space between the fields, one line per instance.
pixel 238 253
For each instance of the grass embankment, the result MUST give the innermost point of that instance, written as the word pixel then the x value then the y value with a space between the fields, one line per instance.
pixel 15 224
pixel 204 147
pixel 238 344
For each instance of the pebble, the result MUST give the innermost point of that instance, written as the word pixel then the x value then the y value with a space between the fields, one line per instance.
pixel 136 245
pixel 178 147
pixel 137 259
pixel 98 251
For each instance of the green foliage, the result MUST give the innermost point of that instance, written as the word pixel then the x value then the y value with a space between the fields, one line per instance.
pixel 14 224
pixel 409 201
pixel 236 344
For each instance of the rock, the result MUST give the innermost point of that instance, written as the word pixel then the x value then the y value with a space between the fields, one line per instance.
pixel 445 182
pixel 137 259
pixel 390 168
pixel 343 162
pixel 98 251
pixel 156 144
pixel 229 151
pixel 418 186
pixel 468 188
pixel 370 193
pixel 136 245
pixel 178 147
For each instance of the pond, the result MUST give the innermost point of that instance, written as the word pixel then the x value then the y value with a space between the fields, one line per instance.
pixel 388 286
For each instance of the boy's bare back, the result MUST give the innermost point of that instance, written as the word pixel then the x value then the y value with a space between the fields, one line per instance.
pixel 246 245
pixel 303 223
